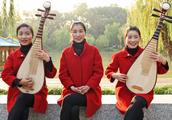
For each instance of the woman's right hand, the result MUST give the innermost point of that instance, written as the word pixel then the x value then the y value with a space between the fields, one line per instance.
pixel 27 83
pixel 75 89
pixel 120 77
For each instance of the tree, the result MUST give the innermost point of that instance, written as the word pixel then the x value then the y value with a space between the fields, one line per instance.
pixel 4 20
pixel 140 15
pixel 110 38
pixel 8 21
pixel 11 18
pixel 166 41
pixel 99 17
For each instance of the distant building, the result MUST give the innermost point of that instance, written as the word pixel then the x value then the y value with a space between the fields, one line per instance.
pixel 7 45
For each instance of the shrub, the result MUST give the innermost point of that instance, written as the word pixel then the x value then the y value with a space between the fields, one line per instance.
pixel 3 92
pixel 57 91
pixel 164 90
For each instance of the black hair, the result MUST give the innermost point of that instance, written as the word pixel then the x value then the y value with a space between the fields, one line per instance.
pixel 78 23
pixel 24 25
pixel 134 28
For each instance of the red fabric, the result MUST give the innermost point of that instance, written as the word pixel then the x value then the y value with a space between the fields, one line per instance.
pixel 85 69
pixel 122 61
pixel 9 73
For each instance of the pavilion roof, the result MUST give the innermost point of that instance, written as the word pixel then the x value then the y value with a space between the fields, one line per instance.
pixel 8 42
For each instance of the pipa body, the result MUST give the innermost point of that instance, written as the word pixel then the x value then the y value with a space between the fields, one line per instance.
pixel 32 67
pixel 142 75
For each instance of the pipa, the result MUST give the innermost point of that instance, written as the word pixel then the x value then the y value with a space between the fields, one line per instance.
pixel 32 66
pixel 142 75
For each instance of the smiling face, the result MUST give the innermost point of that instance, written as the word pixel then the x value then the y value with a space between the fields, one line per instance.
pixel 77 33
pixel 24 35
pixel 132 39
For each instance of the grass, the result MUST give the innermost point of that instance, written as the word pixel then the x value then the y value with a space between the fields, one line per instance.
pixel 106 57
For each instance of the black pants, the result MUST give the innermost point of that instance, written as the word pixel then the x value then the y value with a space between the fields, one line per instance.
pixel 20 111
pixel 70 106
pixel 135 110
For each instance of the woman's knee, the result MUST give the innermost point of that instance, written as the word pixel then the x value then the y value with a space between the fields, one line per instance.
pixel 139 101
pixel 25 98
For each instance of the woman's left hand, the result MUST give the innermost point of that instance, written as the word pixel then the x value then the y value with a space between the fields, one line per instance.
pixel 158 57
pixel 83 89
pixel 43 55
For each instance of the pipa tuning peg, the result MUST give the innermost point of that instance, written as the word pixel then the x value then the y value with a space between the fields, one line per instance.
pixel 38 15
pixel 156 10
pixel 51 14
pixel 170 17
pixel 41 10
pixel 154 15
pixel 170 21
pixel 50 18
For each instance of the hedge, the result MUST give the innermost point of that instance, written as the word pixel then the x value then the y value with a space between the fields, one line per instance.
pixel 158 90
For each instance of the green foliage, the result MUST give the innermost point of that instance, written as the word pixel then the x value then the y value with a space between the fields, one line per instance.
pixel 101 42
pixel 91 39
pixel 57 39
pixel 140 15
pixel 4 25
pixel 163 90
pixel 7 21
pixel 99 17
pixel 105 91
pixel 11 18
pixel 55 91
pixel 108 92
pixel 110 38
pixel 3 92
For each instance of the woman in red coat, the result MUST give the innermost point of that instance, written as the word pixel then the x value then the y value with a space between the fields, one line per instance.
pixel 127 102
pixel 80 73
pixel 18 103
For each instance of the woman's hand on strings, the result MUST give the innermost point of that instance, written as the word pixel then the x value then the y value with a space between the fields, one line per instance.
pixel 43 55
pixel 158 57
pixel 120 77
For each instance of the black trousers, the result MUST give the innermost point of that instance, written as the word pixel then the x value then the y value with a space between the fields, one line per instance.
pixel 135 110
pixel 70 106
pixel 20 111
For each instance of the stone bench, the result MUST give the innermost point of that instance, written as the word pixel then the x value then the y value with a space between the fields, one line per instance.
pixel 160 109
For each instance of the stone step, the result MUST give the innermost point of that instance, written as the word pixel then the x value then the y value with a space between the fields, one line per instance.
pixel 160 109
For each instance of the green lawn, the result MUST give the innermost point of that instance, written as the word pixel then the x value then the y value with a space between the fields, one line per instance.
pixel 106 57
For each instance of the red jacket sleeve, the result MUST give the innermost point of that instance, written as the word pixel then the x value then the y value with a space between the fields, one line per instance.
pixel 112 67
pixel 63 73
pixel 52 73
pixel 161 69
pixel 8 74
pixel 95 79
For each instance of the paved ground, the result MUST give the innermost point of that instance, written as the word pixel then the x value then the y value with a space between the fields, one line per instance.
pixel 54 83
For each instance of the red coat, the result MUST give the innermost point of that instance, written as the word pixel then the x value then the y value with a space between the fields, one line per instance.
pixel 122 61
pixel 9 73
pixel 85 69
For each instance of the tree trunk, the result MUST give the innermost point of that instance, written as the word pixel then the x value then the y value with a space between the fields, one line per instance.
pixel 166 40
